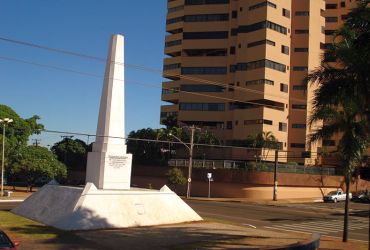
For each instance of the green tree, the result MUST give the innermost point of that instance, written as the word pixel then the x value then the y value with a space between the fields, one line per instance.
pixel 73 153
pixel 36 162
pixel 342 97
pixel 267 141
pixel 175 177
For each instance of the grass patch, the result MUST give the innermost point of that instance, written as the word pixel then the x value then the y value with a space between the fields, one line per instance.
pixel 29 229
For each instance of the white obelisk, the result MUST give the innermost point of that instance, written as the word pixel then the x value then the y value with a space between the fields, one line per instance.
pixel 108 165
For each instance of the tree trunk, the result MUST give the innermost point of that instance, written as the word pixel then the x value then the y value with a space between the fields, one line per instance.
pixel 346 209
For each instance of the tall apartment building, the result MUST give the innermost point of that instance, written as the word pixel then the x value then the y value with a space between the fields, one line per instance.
pixel 236 67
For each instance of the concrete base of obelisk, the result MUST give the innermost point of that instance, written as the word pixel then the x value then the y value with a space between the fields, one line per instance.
pixel 74 208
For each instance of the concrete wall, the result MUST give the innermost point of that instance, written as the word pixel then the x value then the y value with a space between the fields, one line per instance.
pixel 246 184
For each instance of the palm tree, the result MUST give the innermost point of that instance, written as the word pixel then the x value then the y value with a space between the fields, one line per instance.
pixel 341 99
pixel 266 140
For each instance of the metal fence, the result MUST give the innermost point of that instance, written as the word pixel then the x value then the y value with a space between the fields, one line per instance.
pixel 253 166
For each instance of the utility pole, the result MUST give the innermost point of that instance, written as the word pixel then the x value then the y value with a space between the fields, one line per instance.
pixel 192 129
pixel 274 197
pixel 65 153
pixel 36 142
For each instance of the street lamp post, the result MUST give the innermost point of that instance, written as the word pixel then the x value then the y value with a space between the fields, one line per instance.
pixel 192 128
pixel 4 121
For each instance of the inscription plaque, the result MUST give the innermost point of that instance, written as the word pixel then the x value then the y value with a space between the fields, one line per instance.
pixel 116 161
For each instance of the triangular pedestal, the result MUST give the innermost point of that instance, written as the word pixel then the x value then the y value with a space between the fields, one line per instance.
pixel 73 208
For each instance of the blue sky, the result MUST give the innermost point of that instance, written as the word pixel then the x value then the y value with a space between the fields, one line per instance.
pixel 67 101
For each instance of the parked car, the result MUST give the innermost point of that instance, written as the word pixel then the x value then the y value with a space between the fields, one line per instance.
pixel 6 243
pixel 336 196
pixel 363 196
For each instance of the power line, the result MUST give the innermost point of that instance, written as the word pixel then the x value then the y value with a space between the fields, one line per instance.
pixel 156 140
pixel 144 68
pixel 133 82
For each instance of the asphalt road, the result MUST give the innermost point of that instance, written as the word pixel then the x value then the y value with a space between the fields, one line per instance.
pixel 323 218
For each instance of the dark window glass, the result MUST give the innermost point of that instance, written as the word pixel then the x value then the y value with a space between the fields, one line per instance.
pixel 285 49
pixel 234 14
pixel 206 18
pixel 201 88
pixel 297 145
pixel 189 106
pixel 173 43
pixel 261 25
pixel 300 87
pixel 300 49
pixel 174 9
pixel 261 42
pixel 172 66
pixel 330 6
pixel 298 125
pixel 301 31
pixel 232 50
pixel 262 4
pixel 265 63
pixel 203 70
pixel 342 4
pixel 258 121
pixel 286 13
pixel 175 20
pixel 199 2
pixel 206 35
pixel 331 19
pixel 282 126
pixel 205 52
pixel 300 68
pixel 329 32
pixel 229 125
pixel 302 13
pixel 299 106
pixel 284 87
pixel 258 82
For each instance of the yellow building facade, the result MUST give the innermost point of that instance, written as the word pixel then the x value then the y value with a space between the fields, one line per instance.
pixel 237 67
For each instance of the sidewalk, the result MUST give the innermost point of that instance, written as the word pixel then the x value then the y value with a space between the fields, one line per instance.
pixel 262 202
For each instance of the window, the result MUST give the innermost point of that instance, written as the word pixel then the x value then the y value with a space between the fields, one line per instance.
pixel 258 121
pixel 189 106
pixel 330 6
pixel 331 19
pixel 300 68
pixel 200 2
pixel 170 91
pixel 301 32
pixel 300 49
pixel 265 63
pixel 299 106
pixel 284 87
pixel 297 145
pixel 205 52
pixel 231 87
pixel 206 35
pixel 342 4
pixel 229 125
pixel 232 68
pixel 261 42
pixel 259 82
pixel 206 18
pixel 298 125
pixel 285 49
pixel 286 13
pixel 172 43
pixel 329 32
pixel 328 143
pixel 201 88
pixel 203 70
pixel 282 126
pixel 174 9
pixel 263 4
pixel 175 20
pixel 172 66
pixel 300 87
pixel 343 17
pixel 258 26
pixel 232 50
pixel 302 13
pixel 234 14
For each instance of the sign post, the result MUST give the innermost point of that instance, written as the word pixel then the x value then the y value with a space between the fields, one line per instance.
pixel 209 176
